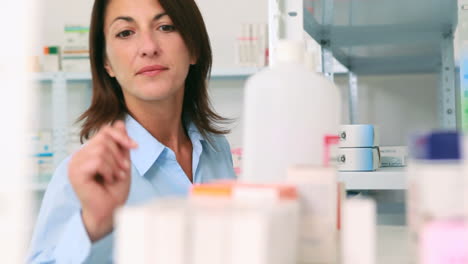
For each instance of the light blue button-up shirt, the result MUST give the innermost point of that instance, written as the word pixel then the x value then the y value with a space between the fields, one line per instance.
pixel 60 236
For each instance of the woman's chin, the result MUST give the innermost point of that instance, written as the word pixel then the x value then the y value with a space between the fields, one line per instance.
pixel 150 92
pixel 152 96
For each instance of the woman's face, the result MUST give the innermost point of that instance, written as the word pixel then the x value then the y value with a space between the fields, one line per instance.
pixel 144 51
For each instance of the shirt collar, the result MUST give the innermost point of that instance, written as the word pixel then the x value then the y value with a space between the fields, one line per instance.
pixel 194 133
pixel 149 148
pixel 196 136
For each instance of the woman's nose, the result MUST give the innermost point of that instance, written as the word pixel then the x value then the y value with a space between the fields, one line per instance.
pixel 149 45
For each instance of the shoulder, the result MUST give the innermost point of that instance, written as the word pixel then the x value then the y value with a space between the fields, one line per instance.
pixel 63 165
pixel 62 169
pixel 215 146
pixel 217 153
pixel 60 181
pixel 219 143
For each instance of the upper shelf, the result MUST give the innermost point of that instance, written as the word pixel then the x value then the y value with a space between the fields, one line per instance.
pixel 382 36
pixel 233 73
pixel 228 73
pixel 71 76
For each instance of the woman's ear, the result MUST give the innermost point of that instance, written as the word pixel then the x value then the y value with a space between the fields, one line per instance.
pixel 108 68
pixel 193 60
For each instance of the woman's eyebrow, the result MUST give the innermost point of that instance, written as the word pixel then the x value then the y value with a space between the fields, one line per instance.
pixel 158 16
pixel 125 18
pixel 131 20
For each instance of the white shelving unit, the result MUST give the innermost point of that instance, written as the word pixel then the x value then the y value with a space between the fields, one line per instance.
pixel 381 179
pixel 54 76
pixel 60 81
pixel 376 37
pixel 388 37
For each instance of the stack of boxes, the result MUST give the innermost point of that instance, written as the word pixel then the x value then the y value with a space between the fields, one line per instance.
pixel 320 203
pixel 75 51
pixel 72 56
pixel 359 149
pixel 42 155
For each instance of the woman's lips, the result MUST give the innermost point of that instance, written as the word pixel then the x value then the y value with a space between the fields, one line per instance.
pixel 152 70
pixel 151 73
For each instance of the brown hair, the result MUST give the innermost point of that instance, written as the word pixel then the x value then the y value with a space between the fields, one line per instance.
pixel 108 104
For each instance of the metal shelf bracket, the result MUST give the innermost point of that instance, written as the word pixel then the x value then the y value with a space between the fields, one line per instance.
pixel 447 101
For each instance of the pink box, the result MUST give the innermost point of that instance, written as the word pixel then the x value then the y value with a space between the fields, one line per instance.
pixel 444 242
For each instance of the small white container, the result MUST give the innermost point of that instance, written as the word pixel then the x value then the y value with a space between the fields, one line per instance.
pixel 358 159
pixel 358 235
pixel 358 136
pixel 317 188
pixel 132 240
pixel 264 234
pixel 211 228
pixel 170 234
pixel 157 232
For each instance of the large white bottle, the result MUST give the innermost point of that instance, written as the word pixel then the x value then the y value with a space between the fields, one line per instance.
pixel 289 109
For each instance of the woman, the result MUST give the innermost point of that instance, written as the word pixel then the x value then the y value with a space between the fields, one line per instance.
pixel 150 127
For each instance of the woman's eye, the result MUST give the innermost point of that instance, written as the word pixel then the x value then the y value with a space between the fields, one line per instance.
pixel 167 28
pixel 125 34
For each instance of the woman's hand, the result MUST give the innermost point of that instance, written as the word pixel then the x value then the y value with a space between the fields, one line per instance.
pixel 100 175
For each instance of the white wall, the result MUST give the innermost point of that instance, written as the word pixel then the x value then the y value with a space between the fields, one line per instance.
pixel 55 14
pixel 223 20
pixel 399 104
pixel 228 99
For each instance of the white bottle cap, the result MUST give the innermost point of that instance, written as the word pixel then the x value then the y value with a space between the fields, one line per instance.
pixel 290 51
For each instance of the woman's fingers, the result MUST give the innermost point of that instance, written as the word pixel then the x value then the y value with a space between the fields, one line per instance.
pixel 127 164
pixel 104 169
pixel 117 153
pixel 118 133
pixel 106 156
pixel 107 168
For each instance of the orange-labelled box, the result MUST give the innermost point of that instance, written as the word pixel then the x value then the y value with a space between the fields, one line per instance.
pixel 235 189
